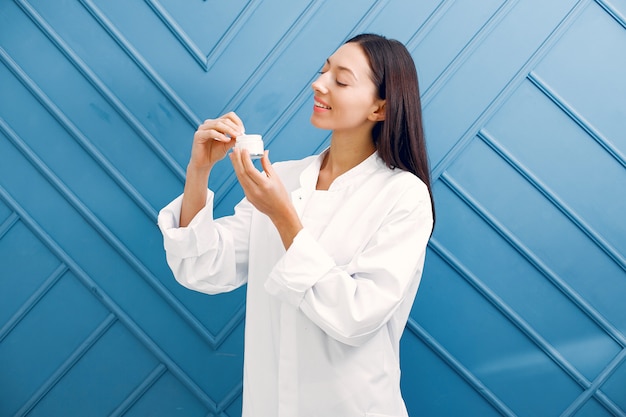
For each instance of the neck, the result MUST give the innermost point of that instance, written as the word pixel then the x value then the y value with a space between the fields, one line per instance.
pixel 345 153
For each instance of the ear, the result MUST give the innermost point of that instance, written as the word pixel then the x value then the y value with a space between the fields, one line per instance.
pixel 378 114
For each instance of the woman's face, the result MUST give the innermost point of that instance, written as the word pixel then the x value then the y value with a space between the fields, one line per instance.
pixel 345 96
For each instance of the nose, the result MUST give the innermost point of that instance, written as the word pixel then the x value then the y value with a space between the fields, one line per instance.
pixel 318 85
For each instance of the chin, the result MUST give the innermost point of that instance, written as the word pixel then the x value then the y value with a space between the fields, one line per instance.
pixel 316 123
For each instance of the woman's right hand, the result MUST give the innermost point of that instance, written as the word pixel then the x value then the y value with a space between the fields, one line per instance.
pixel 213 139
pixel 211 143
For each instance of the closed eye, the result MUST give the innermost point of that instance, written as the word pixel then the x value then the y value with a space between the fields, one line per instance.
pixel 339 83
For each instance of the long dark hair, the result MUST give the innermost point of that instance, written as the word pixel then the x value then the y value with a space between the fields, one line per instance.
pixel 399 139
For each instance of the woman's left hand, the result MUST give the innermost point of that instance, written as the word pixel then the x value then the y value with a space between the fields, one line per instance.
pixel 266 192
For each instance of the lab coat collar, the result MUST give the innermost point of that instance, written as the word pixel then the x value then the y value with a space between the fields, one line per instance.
pixel 308 177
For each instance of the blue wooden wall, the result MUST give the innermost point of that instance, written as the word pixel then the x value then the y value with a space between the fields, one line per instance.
pixel 522 309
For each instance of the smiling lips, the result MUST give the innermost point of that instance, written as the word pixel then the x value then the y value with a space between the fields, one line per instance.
pixel 320 105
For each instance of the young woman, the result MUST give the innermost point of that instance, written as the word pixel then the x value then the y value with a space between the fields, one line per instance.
pixel 331 247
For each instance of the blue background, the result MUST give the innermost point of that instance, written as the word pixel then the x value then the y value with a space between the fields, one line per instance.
pixel 522 309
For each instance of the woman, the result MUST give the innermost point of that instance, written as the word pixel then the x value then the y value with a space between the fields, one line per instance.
pixel 331 246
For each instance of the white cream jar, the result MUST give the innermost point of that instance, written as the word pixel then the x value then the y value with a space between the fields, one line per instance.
pixel 253 143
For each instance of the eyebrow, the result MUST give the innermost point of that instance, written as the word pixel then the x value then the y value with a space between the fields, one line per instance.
pixel 342 68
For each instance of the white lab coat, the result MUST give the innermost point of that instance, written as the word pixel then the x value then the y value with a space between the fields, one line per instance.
pixel 324 318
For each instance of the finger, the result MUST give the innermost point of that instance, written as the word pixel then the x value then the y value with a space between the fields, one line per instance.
pixel 211 134
pixel 235 157
pixel 225 126
pixel 247 173
pixel 231 126
pixel 226 146
pixel 266 164
pixel 251 170
pixel 232 116
pixel 240 172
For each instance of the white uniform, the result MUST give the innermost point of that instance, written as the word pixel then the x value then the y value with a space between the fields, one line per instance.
pixel 324 318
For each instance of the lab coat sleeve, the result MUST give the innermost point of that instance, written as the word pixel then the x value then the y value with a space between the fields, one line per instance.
pixel 209 256
pixel 350 303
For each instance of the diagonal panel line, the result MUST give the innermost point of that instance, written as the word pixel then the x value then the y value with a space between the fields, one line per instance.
pixel 535 337
pixel 561 205
pixel 8 224
pixel 614 13
pixel 507 90
pixel 222 44
pixel 235 27
pixel 559 283
pixel 467 50
pixel 108 302
pixel 459 368
pixel 610 405
pixel 32 301
pixel 547 348
pixel 534 260
pixel 205 62
pixel 562 104
pixel 178 32
pixel 111 239
pixel 144 387
pixel 323 144
pixel 234 393
pixel 594 390
pixel 141 62
pixel 228 328
pixel 75 133
pixel 368 17
pixel 424 29
pixel 103 90
pixel 67 365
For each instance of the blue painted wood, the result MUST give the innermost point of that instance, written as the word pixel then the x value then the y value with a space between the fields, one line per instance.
pixel 521 309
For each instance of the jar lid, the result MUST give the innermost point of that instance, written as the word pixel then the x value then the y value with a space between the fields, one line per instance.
pixel 249 138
